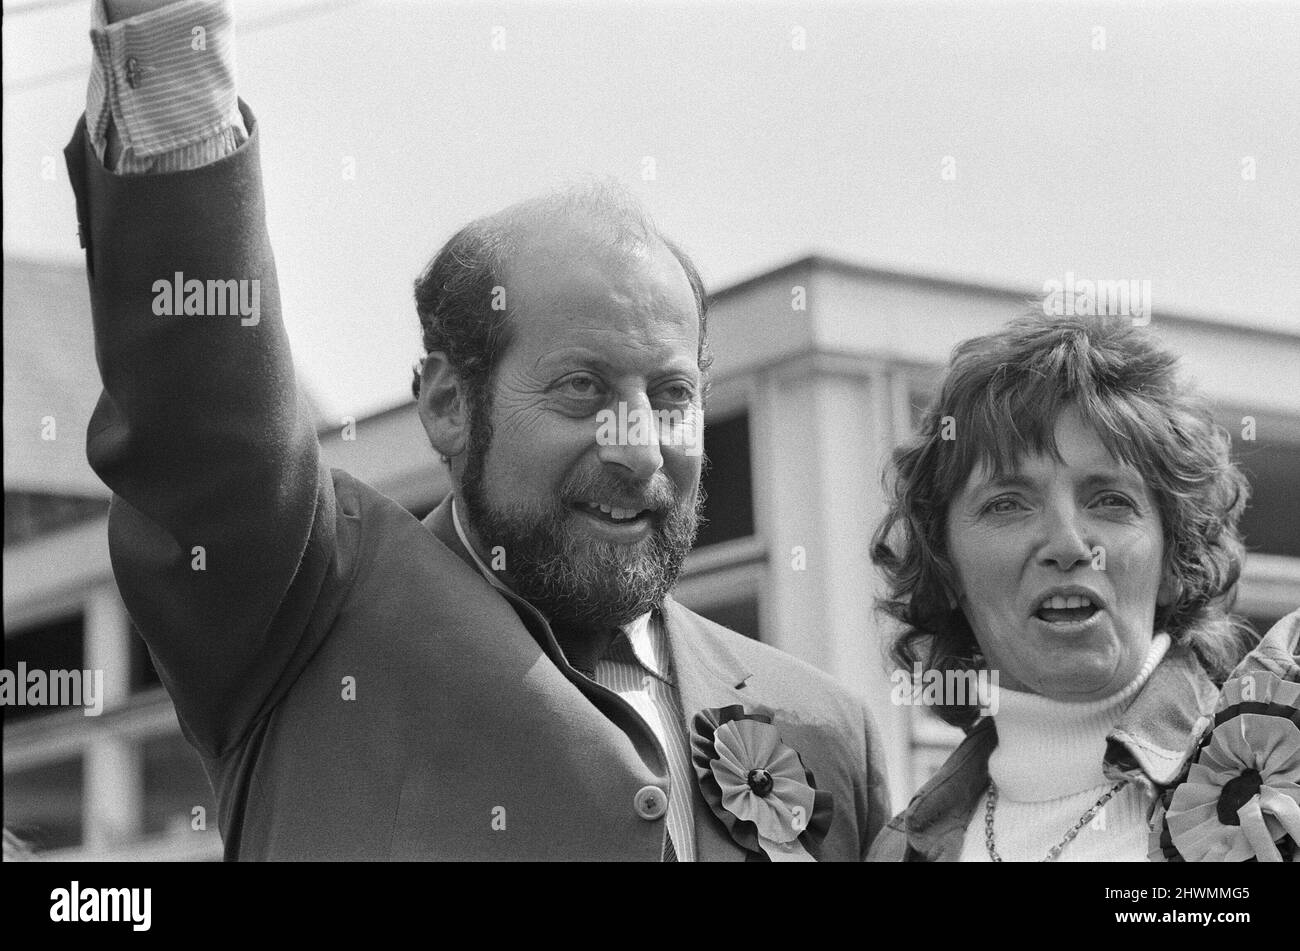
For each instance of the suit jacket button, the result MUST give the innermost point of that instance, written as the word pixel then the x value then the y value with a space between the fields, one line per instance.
pixel 650 802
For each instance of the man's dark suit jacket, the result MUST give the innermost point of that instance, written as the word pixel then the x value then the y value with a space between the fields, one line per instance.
pixel 355 688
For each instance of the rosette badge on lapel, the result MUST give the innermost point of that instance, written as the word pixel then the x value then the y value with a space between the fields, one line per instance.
pixel 1240 798
pixel 757 786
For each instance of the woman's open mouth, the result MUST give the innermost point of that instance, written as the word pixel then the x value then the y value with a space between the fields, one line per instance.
pixel 1059 609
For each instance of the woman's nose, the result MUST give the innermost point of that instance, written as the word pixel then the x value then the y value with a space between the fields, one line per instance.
pixel 1065 541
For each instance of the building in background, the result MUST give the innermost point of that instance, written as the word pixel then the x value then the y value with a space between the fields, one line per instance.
pixel 821 368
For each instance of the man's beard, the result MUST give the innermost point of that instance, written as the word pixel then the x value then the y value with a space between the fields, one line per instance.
pixel 575 580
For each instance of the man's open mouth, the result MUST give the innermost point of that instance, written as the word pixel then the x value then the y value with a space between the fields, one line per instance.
pixel 1060 609
pixel 611 513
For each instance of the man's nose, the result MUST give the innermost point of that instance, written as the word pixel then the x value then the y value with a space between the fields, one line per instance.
pixel 1065 540
pixel 632 444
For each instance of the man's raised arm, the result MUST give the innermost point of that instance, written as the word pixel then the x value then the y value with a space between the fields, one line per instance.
pixel 222 526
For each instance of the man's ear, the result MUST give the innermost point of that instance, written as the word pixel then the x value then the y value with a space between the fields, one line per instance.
pixel 443 405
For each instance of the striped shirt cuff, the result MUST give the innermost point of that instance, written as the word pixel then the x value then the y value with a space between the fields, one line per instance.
pixel 163 86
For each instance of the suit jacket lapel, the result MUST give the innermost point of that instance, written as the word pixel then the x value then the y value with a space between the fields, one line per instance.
pixel 707 675
pixel 439 523
pixel 705 672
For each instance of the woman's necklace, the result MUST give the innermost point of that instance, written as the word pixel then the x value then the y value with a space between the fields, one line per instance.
pixel 1055 850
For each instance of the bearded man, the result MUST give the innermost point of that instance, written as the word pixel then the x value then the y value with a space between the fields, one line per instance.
pixel 508 679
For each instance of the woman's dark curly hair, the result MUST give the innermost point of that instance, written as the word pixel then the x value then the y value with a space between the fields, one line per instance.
pixel 999 402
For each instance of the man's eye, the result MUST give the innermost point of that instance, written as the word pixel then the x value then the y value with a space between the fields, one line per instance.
pixel 678 393
pixel 581 386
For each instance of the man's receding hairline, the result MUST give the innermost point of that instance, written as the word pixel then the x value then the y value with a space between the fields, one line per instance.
pixel 586 237
pixel 516 290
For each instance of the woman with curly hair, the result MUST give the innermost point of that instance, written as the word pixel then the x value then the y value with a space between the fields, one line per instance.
pixel 1064 525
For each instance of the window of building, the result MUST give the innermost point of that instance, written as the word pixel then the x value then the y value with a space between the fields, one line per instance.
pixel 728 482
pixel 175 785
pixel 1271 524
pixel 29 515
pixel 54 645
pixel 43 804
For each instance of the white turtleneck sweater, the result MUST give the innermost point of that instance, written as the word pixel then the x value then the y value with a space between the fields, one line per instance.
pixel 1047 767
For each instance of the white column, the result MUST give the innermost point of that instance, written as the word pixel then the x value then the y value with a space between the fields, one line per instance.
pixel 108 643
pixel 113 807
pixel 823 430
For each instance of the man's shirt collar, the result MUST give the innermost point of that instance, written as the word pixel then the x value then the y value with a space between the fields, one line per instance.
pixel 643 641
pixel 464 540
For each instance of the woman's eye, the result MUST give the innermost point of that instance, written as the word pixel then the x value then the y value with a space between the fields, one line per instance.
pixel 1115 499
pixel 1002 506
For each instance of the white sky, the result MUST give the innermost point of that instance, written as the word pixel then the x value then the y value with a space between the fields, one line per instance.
pixel 1117 163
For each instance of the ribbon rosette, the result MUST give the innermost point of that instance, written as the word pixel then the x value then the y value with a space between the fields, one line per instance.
pixel 757 786
pixel 1240 799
